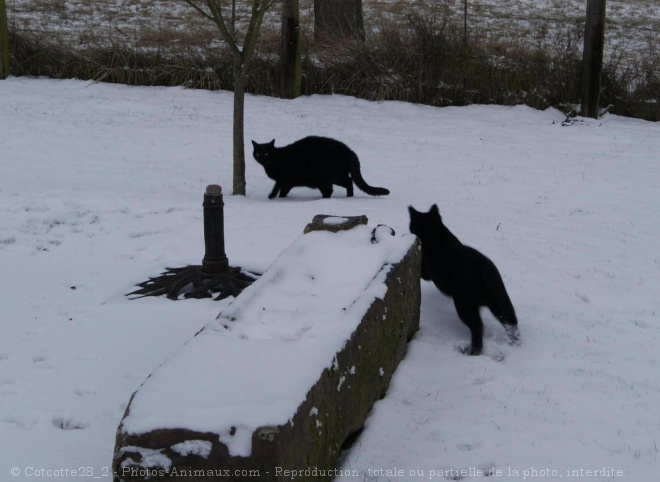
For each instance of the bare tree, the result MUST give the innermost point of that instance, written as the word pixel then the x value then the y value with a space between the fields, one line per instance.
pixel 218 11
pixel 4 41
pixel 592 57
pixel 290 46
pixel 337 18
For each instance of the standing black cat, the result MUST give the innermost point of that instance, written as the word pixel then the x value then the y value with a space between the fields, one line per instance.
pixel 464 274
pixel 316 162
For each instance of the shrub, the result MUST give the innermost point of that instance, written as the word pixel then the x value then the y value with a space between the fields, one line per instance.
pixel 424 59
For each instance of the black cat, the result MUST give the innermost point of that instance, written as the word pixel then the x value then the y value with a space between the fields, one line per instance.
pixel 316 162
pixel 464 274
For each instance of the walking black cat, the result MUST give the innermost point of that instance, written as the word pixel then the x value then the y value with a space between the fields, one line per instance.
pixel 315 162
pixel 465 274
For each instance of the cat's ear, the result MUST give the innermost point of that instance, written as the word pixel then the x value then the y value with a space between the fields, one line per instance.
pixel 414 213
pixel 254 144
pixel 272 143
pixel 435 211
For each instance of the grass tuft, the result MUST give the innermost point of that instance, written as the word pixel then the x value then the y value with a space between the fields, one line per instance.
pixel 421 58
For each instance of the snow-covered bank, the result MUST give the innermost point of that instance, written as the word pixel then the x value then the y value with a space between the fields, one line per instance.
pixel 102 186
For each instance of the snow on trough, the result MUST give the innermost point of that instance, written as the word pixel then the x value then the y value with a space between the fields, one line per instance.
pixel 253 365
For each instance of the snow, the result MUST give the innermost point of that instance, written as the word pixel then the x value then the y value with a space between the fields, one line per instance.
pixel 102 187
pixel 243 371
pixel 193 447
pixel 334 221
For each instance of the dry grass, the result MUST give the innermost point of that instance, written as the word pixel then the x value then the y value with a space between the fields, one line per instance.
pixel 415 51
pixel 628 19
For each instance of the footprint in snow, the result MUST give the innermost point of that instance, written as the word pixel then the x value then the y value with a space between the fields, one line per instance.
pixel 495 355
pixel 86 391
pixel 21 424
pixel 69 423
pixel 43 363
pixel 488 470
pixel 465 447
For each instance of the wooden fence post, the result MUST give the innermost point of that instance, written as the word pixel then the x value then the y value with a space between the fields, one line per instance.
pixel 4 41
pixel 338 18
pixel 592 57
pixel 291 68
pixel 465 22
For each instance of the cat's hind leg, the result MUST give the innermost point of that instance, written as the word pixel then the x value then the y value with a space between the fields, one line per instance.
pixel 284 190
pixel 326 190
pixel 468 312
pixel 498 302
pixel 509 321
pixel 347 183
pixel 276 189
pixel 514 334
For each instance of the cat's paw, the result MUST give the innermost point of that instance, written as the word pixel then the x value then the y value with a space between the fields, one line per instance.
pixel 514 335
pixel 470 350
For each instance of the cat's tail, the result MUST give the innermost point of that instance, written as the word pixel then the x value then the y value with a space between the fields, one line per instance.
pixel 499 302
pixel 359 181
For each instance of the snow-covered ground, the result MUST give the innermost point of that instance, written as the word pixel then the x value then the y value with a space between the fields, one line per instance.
pixel 101 186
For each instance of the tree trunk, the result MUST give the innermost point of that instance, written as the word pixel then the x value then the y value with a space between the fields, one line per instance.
pixel 592 57
pixel 4 41
pixel 243 53
pixel 238 137
pixel 465 22
pixel 291 68
pixel 338 18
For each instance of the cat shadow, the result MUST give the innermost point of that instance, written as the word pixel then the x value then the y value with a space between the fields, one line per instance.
pixel 439 320
pixel 438 315
pixel 303 195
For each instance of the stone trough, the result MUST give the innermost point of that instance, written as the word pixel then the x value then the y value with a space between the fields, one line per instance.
pixel 273 388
